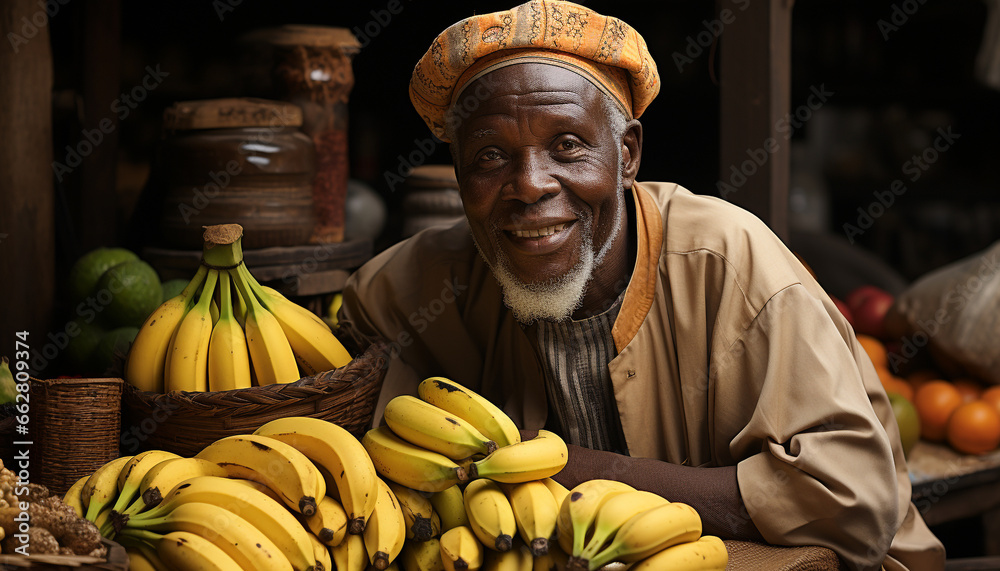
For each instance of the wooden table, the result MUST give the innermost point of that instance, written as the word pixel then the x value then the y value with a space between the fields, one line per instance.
pixel 949 486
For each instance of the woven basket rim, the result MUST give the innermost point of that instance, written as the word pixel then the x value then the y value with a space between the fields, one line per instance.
pixel 79 381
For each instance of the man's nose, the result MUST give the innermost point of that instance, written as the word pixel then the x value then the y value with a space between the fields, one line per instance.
pixel 530 179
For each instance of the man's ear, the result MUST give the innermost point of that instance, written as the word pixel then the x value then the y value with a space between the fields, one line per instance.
pixel 631 152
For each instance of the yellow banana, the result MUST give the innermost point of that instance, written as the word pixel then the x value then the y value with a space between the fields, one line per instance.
pixel 415 467
pixel 386 530
pixel 648 532
pixel 350 554
pixel 461 550
pixel 535 511
pixel 449 505
pixel 101 488
pixel 315 347
pixel 228 357
pixel 578 510
pixel 614 512
pixel 422 555
pixel 273 463
pixel 213 308
pixel 706 554
pixel 142 557
pixel 321 552
pixel 72 496
pixel 519 558
pixel 131 475
pixel 351 475
pixel 259 487
pixel 148 353
pixel 186 550
pixel 329 523
pixel 418 513
pixel 555 560
pixel 491 516
pixel 471 406
pixel 186 367
pixel 247 545
pixel 271 355
pixel 541 457
pixel 164 476
pixel 259 510
pixel 559 491
pixel 434 428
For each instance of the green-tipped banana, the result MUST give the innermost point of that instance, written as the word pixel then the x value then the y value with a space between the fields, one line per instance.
pixel 535 511
pixel 273 463
pixel 386 530
pixel 186 366
pixel 648 532
pixel 449 505
pixel 164 476
pixel 228 356
pixel 147 356
pixel 614 513
pixel 410 465
pixel 131 475
pixel 239 539
pixel 352 477
pixel 418 513
pixel 471 406
pixel 578 510
pixel 434 428
pixel 541 457
pixel 461 550
pixel 270 353
pixel 101 489
pixel 262 512
pixel 491 516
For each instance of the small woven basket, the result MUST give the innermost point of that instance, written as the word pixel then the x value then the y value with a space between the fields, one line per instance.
pixel 74 429
pixel 185 422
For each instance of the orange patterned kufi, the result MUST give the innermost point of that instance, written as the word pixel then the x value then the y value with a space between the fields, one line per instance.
pixel 605 50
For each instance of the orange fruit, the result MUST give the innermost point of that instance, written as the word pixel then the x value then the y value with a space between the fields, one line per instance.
pixel 974 428
pixel 935 401
pixel 920 377
pixel 992 396
pixel 970 388
pixel 875 349
pixel 899 386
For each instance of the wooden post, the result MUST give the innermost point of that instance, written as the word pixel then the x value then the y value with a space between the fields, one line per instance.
pixel 755 79
pixel 27 242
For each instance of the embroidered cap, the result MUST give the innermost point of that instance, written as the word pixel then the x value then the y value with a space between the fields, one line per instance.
pixel 605 50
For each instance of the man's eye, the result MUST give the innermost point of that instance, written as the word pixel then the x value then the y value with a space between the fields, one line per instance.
pixel 490 156
pixel 568 145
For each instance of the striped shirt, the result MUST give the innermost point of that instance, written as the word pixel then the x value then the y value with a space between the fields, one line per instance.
pixel 575 357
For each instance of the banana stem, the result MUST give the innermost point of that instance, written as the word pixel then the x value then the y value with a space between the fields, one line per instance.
pixel 140 535
pixel 253 305
pixel 223 245
pixel 195 282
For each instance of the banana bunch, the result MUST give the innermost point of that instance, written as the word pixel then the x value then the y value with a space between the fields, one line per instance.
pixel 604 521
pixel 449 434
pixel 225 331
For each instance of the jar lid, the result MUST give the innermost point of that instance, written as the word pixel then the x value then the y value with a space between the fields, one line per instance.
pixel 310 36
pixel 230 113
pixel 432 176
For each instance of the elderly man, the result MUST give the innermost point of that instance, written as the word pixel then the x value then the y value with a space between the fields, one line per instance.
pixel 670 338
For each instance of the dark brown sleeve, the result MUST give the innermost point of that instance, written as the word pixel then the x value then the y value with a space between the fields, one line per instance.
pixel 714 492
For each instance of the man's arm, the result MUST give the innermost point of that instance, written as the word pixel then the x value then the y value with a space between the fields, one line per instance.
pixel 713 492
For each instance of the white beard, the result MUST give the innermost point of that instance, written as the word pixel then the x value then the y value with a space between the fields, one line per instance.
pixel 558 297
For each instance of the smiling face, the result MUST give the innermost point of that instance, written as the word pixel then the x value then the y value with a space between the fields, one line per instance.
pixel 542 177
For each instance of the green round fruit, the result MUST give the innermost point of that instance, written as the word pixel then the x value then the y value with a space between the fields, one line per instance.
pixel 88 269
pixel 129 292
pixel 907 419
pixel 112 349
pixel 81 346
pixel 173 288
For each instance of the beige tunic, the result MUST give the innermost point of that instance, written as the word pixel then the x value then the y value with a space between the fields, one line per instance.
pixel 730 353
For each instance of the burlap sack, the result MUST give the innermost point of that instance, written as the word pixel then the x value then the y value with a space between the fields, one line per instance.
pixel 955 312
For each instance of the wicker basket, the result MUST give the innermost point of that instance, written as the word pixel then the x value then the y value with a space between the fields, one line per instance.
pixel 185 422
pixel 74 427
pixel 117 560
